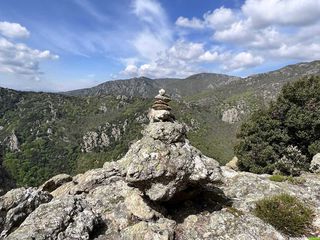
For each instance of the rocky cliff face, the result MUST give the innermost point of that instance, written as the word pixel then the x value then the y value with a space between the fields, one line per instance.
pixel 163 188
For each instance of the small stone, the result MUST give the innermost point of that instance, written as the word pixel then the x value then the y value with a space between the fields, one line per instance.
pixel 163 98
pixel 161 102
pixel 161 107
pixel 233 164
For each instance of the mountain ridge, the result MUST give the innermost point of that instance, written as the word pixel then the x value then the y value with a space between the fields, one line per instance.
pixel 48 133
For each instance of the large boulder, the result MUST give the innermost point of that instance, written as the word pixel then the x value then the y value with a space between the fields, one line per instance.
pixel 55 182
pixel 226 224
pixel 315 164
pixel 17 204
pixel 163 163
pixel 66 218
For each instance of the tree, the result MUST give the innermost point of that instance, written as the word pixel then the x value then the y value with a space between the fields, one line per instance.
pixel 291 122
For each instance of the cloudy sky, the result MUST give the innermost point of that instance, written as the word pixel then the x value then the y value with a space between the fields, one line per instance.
pixel 69 44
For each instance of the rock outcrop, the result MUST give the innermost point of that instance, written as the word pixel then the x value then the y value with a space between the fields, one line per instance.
pixel 315 164
pixel 163 188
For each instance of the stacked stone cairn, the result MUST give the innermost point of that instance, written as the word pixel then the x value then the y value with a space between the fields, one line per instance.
pixel 161 111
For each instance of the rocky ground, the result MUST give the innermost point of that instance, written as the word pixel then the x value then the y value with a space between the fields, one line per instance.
pixel 163 189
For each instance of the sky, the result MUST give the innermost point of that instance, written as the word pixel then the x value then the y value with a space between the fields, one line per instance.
pixel 61 45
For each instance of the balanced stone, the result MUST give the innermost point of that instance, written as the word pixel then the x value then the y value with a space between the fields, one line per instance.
pixel 160 110
pixel 161 107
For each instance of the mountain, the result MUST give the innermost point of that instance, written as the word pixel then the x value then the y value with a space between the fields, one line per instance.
pixel 147 88
pixel 163 188
pixel 44 134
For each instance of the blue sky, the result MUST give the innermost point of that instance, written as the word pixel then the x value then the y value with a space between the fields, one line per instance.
pixel 69 44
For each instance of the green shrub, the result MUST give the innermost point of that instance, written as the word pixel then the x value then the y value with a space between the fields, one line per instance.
pixel 281 178
pixel 286 213
pixel 285 136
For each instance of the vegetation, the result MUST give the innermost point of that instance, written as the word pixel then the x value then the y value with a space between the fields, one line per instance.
pixel 290 179
pixel 285 213
pixel 51 127
pixel 285 136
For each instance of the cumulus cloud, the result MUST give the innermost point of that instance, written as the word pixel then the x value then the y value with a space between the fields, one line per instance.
pixel 220 18
pixel 190 23
pixel 18 58
pixel 185 58
pixel 271 29
pixel 242 61
pixel 283 12
pixel 13 30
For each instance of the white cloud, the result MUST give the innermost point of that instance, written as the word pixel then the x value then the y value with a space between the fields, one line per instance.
pixel 298 51
pixel 156 33
pixel 209 56
pixel 131 70
pixel 238 32
pixel 220 18
pixel 185 50
pixel 242 61
pixel 13 30
pixel 18 58
pixel 190 23
pixel 283 12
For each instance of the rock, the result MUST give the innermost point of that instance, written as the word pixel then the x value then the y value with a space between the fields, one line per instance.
pixel 90 141
pixel 13 142
pixel 225 225
pixel 245 189
pixel 163 163
pixel 160 111
pixel 160 115
pixel 231 116
pixel 66 218
pixel 163 229
pixel 17 204
pixel 139 207
pixel 163 188
pixel 315 164
pixel 233 164
pixel 55 182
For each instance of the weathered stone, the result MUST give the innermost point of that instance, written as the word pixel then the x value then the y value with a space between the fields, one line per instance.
pixel 163 229
pixel 17 204
pixel 225 225
pixel 13 142
pixel 163 162
pixel 315 164
pixel 233 164
pixel 55 182
pixel 231 116
pixel 66 218
pixel 161 107
pixel 245 189
pixel 160 116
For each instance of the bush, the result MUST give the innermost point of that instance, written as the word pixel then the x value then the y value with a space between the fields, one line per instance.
pixel 286 135
pixel 290 179
pixel 286 213
pixel 292 162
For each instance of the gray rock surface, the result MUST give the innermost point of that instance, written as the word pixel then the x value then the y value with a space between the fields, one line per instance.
pixel 55 182
pixel 17 204
pixel 226 225
pixel 315 164
pixel 66 218
pixel 163 163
